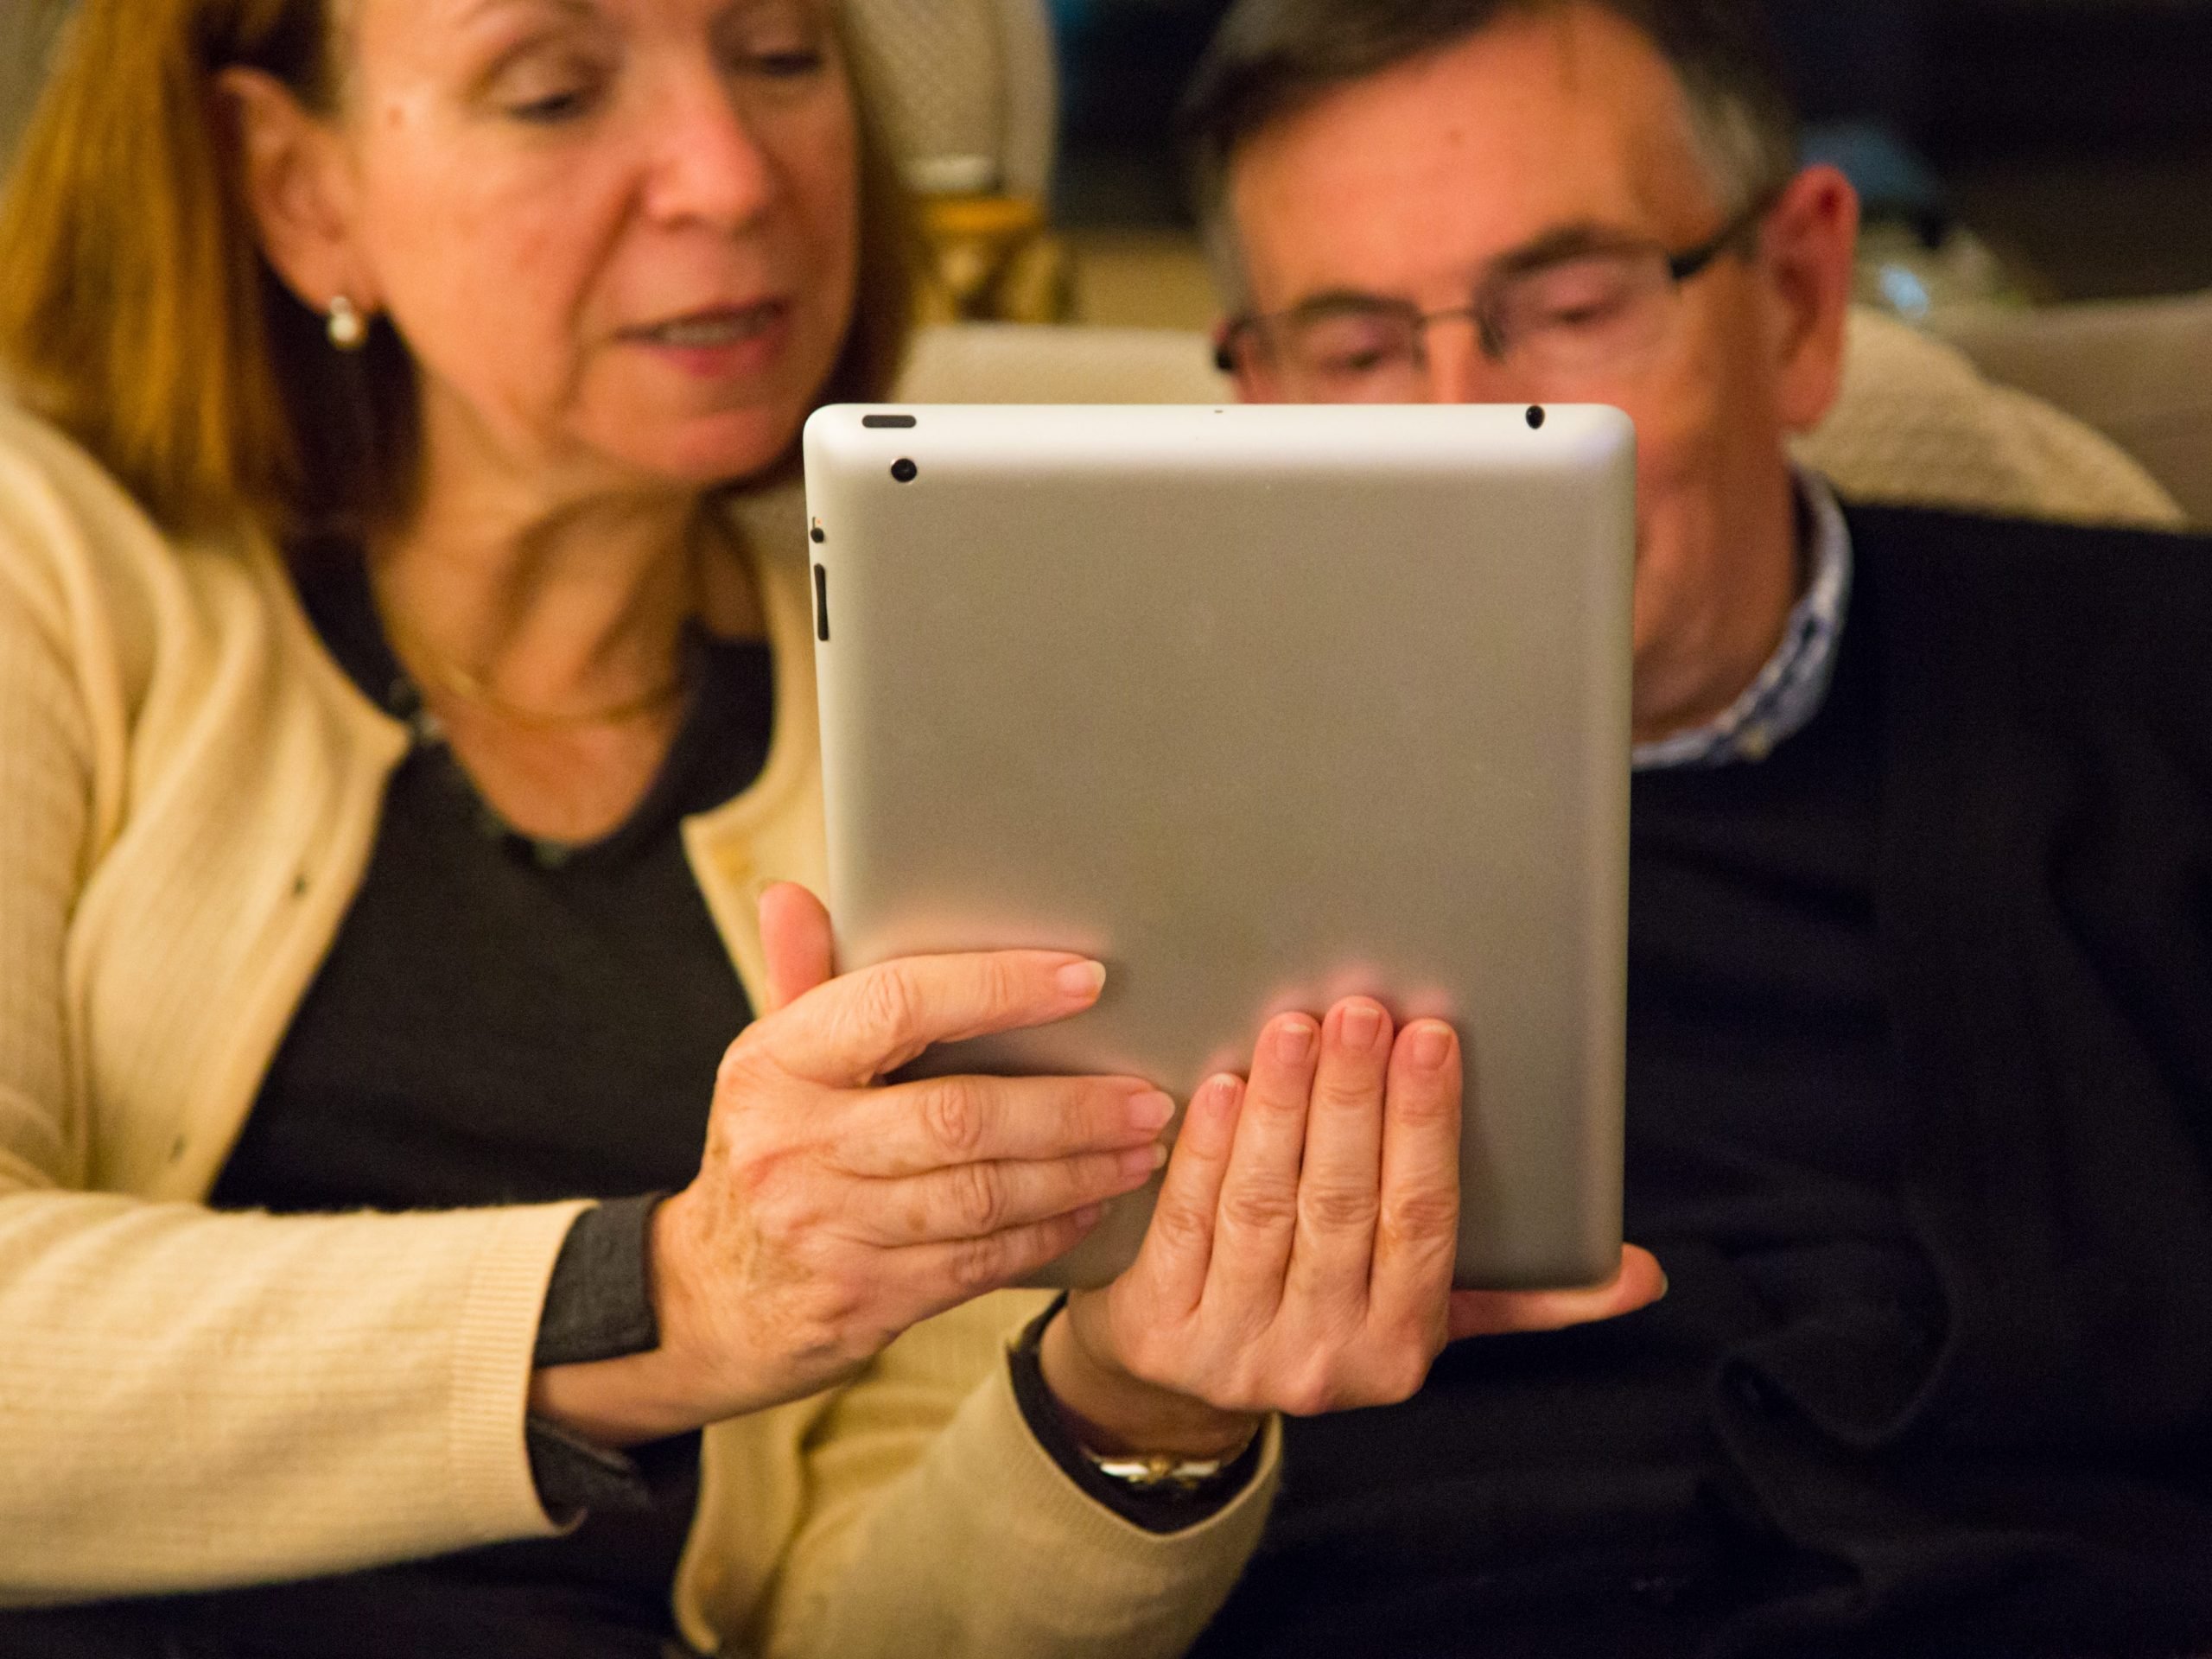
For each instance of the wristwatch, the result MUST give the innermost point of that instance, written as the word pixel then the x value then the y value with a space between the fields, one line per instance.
pixel 1159 1472
pixel 1160 1491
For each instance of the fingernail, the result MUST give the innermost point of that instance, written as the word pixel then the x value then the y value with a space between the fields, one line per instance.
pixel 1294 1041
pixel 1362 1025
pixel 1083 979
pixel 1150 1111
pixel 1432 1047
pixel 1143 1161
pixel 1663 1284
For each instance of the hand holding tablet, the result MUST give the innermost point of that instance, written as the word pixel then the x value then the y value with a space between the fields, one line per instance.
pixel 1300 1256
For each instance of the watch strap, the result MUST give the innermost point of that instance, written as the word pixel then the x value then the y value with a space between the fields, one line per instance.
pixel 1162 1505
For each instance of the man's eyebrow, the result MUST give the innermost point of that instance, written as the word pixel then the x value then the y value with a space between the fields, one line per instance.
pixel 1348 299
pixel 1565 242
pixel 1546 248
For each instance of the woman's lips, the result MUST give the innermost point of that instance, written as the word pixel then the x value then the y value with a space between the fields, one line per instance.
pixel 725 340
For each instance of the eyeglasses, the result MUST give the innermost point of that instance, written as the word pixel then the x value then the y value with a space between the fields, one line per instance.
pixel 1561 317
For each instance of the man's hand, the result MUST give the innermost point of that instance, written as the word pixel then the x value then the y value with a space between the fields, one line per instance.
pixel 1299 1258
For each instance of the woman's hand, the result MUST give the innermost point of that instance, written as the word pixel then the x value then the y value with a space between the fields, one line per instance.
pixel 831 1213
pixel 1299 1258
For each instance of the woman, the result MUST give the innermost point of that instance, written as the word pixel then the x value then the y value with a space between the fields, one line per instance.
pixel 405 695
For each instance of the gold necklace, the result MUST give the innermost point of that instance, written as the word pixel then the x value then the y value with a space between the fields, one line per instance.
pixel 458 681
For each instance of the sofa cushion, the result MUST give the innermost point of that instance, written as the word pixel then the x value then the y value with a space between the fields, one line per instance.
pixel 1918 423
pixel 2138 370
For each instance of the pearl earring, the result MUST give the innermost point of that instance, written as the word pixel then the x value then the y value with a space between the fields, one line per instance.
pixel 348 328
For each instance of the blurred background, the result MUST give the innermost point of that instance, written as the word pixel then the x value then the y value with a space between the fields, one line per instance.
pixel 2012 151
pixel 2054 149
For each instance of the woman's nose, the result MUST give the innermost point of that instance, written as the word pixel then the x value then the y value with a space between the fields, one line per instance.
pixel 707 163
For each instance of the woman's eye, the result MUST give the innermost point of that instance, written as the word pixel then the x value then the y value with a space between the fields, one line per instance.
pixel 548 84
pixel 551 107
pixel 786 65
pixel 778 40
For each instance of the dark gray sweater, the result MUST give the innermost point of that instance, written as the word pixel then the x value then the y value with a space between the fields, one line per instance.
pixel 1921 1095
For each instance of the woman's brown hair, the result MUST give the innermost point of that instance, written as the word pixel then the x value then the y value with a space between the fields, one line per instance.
pixel 138 313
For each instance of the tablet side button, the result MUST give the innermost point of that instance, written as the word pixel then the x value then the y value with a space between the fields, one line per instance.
pixel 822 604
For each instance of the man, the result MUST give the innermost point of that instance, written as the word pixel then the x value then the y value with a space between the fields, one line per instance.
pixel 1920 1050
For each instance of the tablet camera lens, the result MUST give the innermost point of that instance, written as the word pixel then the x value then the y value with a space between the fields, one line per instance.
pixel 1535 417
pixel 904 471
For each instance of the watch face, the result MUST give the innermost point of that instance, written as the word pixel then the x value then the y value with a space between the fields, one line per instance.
pixel 1159 1470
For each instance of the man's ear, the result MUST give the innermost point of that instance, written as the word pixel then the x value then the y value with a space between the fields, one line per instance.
pixel 1810 241
pixel 297 189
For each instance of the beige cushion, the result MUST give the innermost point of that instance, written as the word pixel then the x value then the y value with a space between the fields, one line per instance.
pixel 1014 363
pixel 1915 423
pixel 2138 370
pixel 967 90
pixel 1918 422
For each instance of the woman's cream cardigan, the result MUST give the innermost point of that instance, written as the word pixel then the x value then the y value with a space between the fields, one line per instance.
pixel 190 789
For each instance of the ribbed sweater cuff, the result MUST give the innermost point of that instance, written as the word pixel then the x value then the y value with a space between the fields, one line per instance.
pixel 488 1460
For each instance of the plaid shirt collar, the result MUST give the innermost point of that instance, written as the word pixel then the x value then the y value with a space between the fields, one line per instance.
pixel 1790 689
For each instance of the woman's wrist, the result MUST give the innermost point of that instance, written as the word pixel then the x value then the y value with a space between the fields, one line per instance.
pixel 1108 1409
pixel 620 1404
pixel 667 1389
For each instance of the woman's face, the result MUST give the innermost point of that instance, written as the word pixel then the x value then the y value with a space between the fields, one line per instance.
pixel 618 237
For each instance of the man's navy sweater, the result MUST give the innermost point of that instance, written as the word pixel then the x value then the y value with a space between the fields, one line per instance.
pixel 1920 1123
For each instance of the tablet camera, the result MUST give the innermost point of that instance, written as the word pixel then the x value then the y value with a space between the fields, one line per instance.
pixel 1535 417
pixel 904 471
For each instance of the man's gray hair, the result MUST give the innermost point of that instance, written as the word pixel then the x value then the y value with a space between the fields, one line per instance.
pixel 1272 58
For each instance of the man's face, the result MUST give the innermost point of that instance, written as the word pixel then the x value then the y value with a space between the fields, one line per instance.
pixel 1566 128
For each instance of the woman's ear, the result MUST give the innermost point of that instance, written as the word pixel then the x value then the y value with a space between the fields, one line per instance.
pixel 297 188
pixel 1810 240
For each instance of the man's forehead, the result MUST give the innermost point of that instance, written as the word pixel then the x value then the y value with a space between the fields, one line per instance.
pixel 1411 181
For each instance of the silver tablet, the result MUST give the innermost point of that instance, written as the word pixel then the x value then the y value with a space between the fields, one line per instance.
pixel 1261 707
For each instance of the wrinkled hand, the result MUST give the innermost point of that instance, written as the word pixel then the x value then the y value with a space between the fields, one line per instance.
pixel 1299 1258
pixel 832 1212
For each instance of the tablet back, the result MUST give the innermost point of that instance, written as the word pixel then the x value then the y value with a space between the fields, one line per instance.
pixel 1261 707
